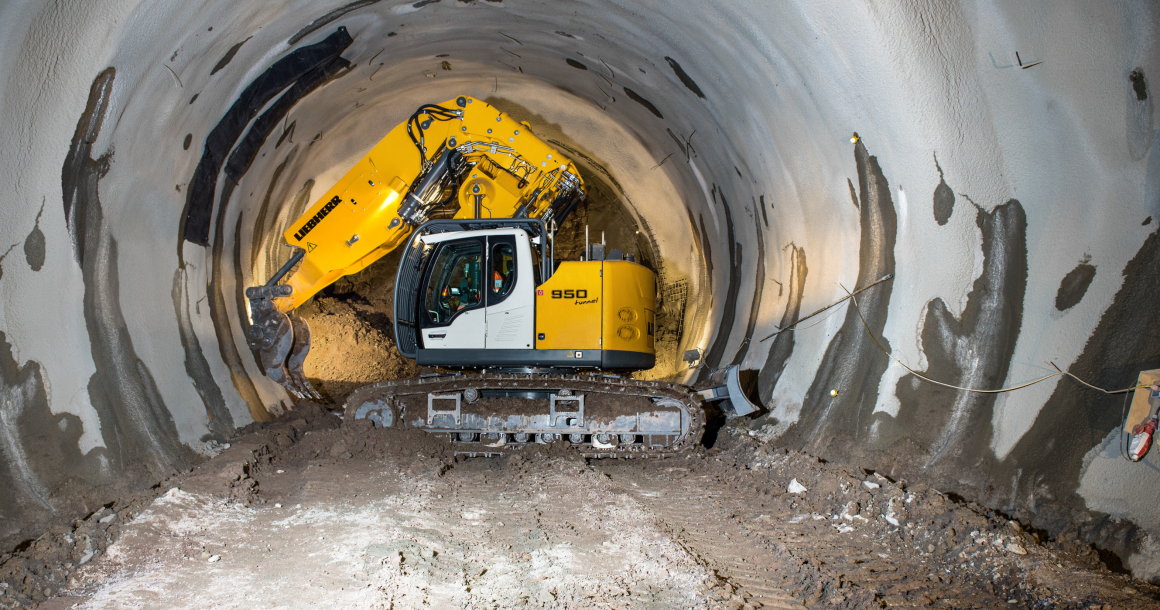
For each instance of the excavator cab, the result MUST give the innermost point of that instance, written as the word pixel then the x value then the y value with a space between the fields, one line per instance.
pixel 592 314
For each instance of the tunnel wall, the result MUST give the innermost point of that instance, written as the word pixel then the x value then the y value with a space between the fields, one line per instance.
pixel 1002 173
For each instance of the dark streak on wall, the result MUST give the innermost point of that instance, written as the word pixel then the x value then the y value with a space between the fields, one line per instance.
pixel 137 428
pixel 853 193
pixel 326 19
pixel 758 290
pixel 188 140
pixel 228 57
pixel 283 73
pixel 221 323
pixel 43 473
pixel 78 159
pixel 288 132
pixel 257 243
pixel 643 102
pixel 715 356
pixel 944 198
pixel 1075 419
pixel 240 283
pixel 708 244
pixel 575 64
pixel 221 422
pixel 951 427
pixel 1074 285
pixel 34 244
pixel 782 347
pixel 831 426
pixel 247 150
pixel 685 80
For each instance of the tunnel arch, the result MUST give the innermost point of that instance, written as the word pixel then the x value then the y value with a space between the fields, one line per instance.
pixel 978 177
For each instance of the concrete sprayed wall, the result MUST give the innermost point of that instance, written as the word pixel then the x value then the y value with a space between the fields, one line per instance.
pixel 1004 174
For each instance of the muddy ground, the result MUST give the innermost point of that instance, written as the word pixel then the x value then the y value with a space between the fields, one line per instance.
pixel 314 512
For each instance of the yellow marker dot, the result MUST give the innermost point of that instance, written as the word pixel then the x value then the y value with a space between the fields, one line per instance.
pixel 833 392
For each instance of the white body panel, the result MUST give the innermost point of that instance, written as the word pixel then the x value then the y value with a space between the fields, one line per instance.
pixel 466 331
pixel 511 324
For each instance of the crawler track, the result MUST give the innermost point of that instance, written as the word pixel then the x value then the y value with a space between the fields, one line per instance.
pixel 398 396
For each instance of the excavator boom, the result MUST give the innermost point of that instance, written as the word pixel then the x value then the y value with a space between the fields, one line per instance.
pixel 459 159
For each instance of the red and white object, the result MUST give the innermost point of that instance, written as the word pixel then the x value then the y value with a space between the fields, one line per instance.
pixel 1142 439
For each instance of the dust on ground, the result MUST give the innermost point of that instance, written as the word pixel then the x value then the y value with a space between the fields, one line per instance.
pixel 314 511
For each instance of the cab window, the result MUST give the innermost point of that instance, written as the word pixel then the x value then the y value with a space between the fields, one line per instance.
pixel 456 283
pixel 503 269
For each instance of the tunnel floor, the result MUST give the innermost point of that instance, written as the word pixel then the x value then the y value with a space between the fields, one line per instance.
pixel 317 513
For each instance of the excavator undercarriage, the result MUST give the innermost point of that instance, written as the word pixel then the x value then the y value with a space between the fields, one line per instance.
pixel 603 416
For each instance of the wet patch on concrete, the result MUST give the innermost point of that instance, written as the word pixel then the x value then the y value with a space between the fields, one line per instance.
pixel 1075 419
pixel 643 102
pixel 228 57
pixel 247 150
pixel 832 426
pixel 34 244
pixel 953 427
pixel 136 426
pixel 708 245
pixel 782 347
pixel 575 64
pixel 1139 86
pixel 77 161
pixel 1074 285
pixel 287 132
pixel 221 322
pixel 282 74
pixel 758 291
pixel 263 237
pixel 685 80
pixel 220 421
pixel 326 19
pixel 43 473
pixel 944 198
pixel 1139 113
pixel 715 356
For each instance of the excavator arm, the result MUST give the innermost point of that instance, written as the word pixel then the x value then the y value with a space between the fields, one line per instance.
pixel 460 159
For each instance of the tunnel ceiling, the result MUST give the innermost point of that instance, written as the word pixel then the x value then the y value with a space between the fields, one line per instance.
pixel 995 160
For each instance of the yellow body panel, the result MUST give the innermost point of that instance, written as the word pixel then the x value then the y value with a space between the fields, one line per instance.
pixel 629 307
pixel 568 310
pixel 511 165
pixel 607 305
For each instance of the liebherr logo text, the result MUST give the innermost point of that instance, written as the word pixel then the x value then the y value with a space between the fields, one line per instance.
pixel 317 218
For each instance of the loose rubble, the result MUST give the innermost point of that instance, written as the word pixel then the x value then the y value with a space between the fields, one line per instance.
pixel 313 506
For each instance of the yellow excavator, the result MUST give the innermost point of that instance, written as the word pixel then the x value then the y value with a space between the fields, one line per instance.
pixel 533 351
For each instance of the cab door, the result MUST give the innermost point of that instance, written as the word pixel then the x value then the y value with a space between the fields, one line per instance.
pixel 454 301
pixel 510 300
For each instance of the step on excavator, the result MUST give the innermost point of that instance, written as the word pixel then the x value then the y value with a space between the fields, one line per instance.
pixel 530 350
